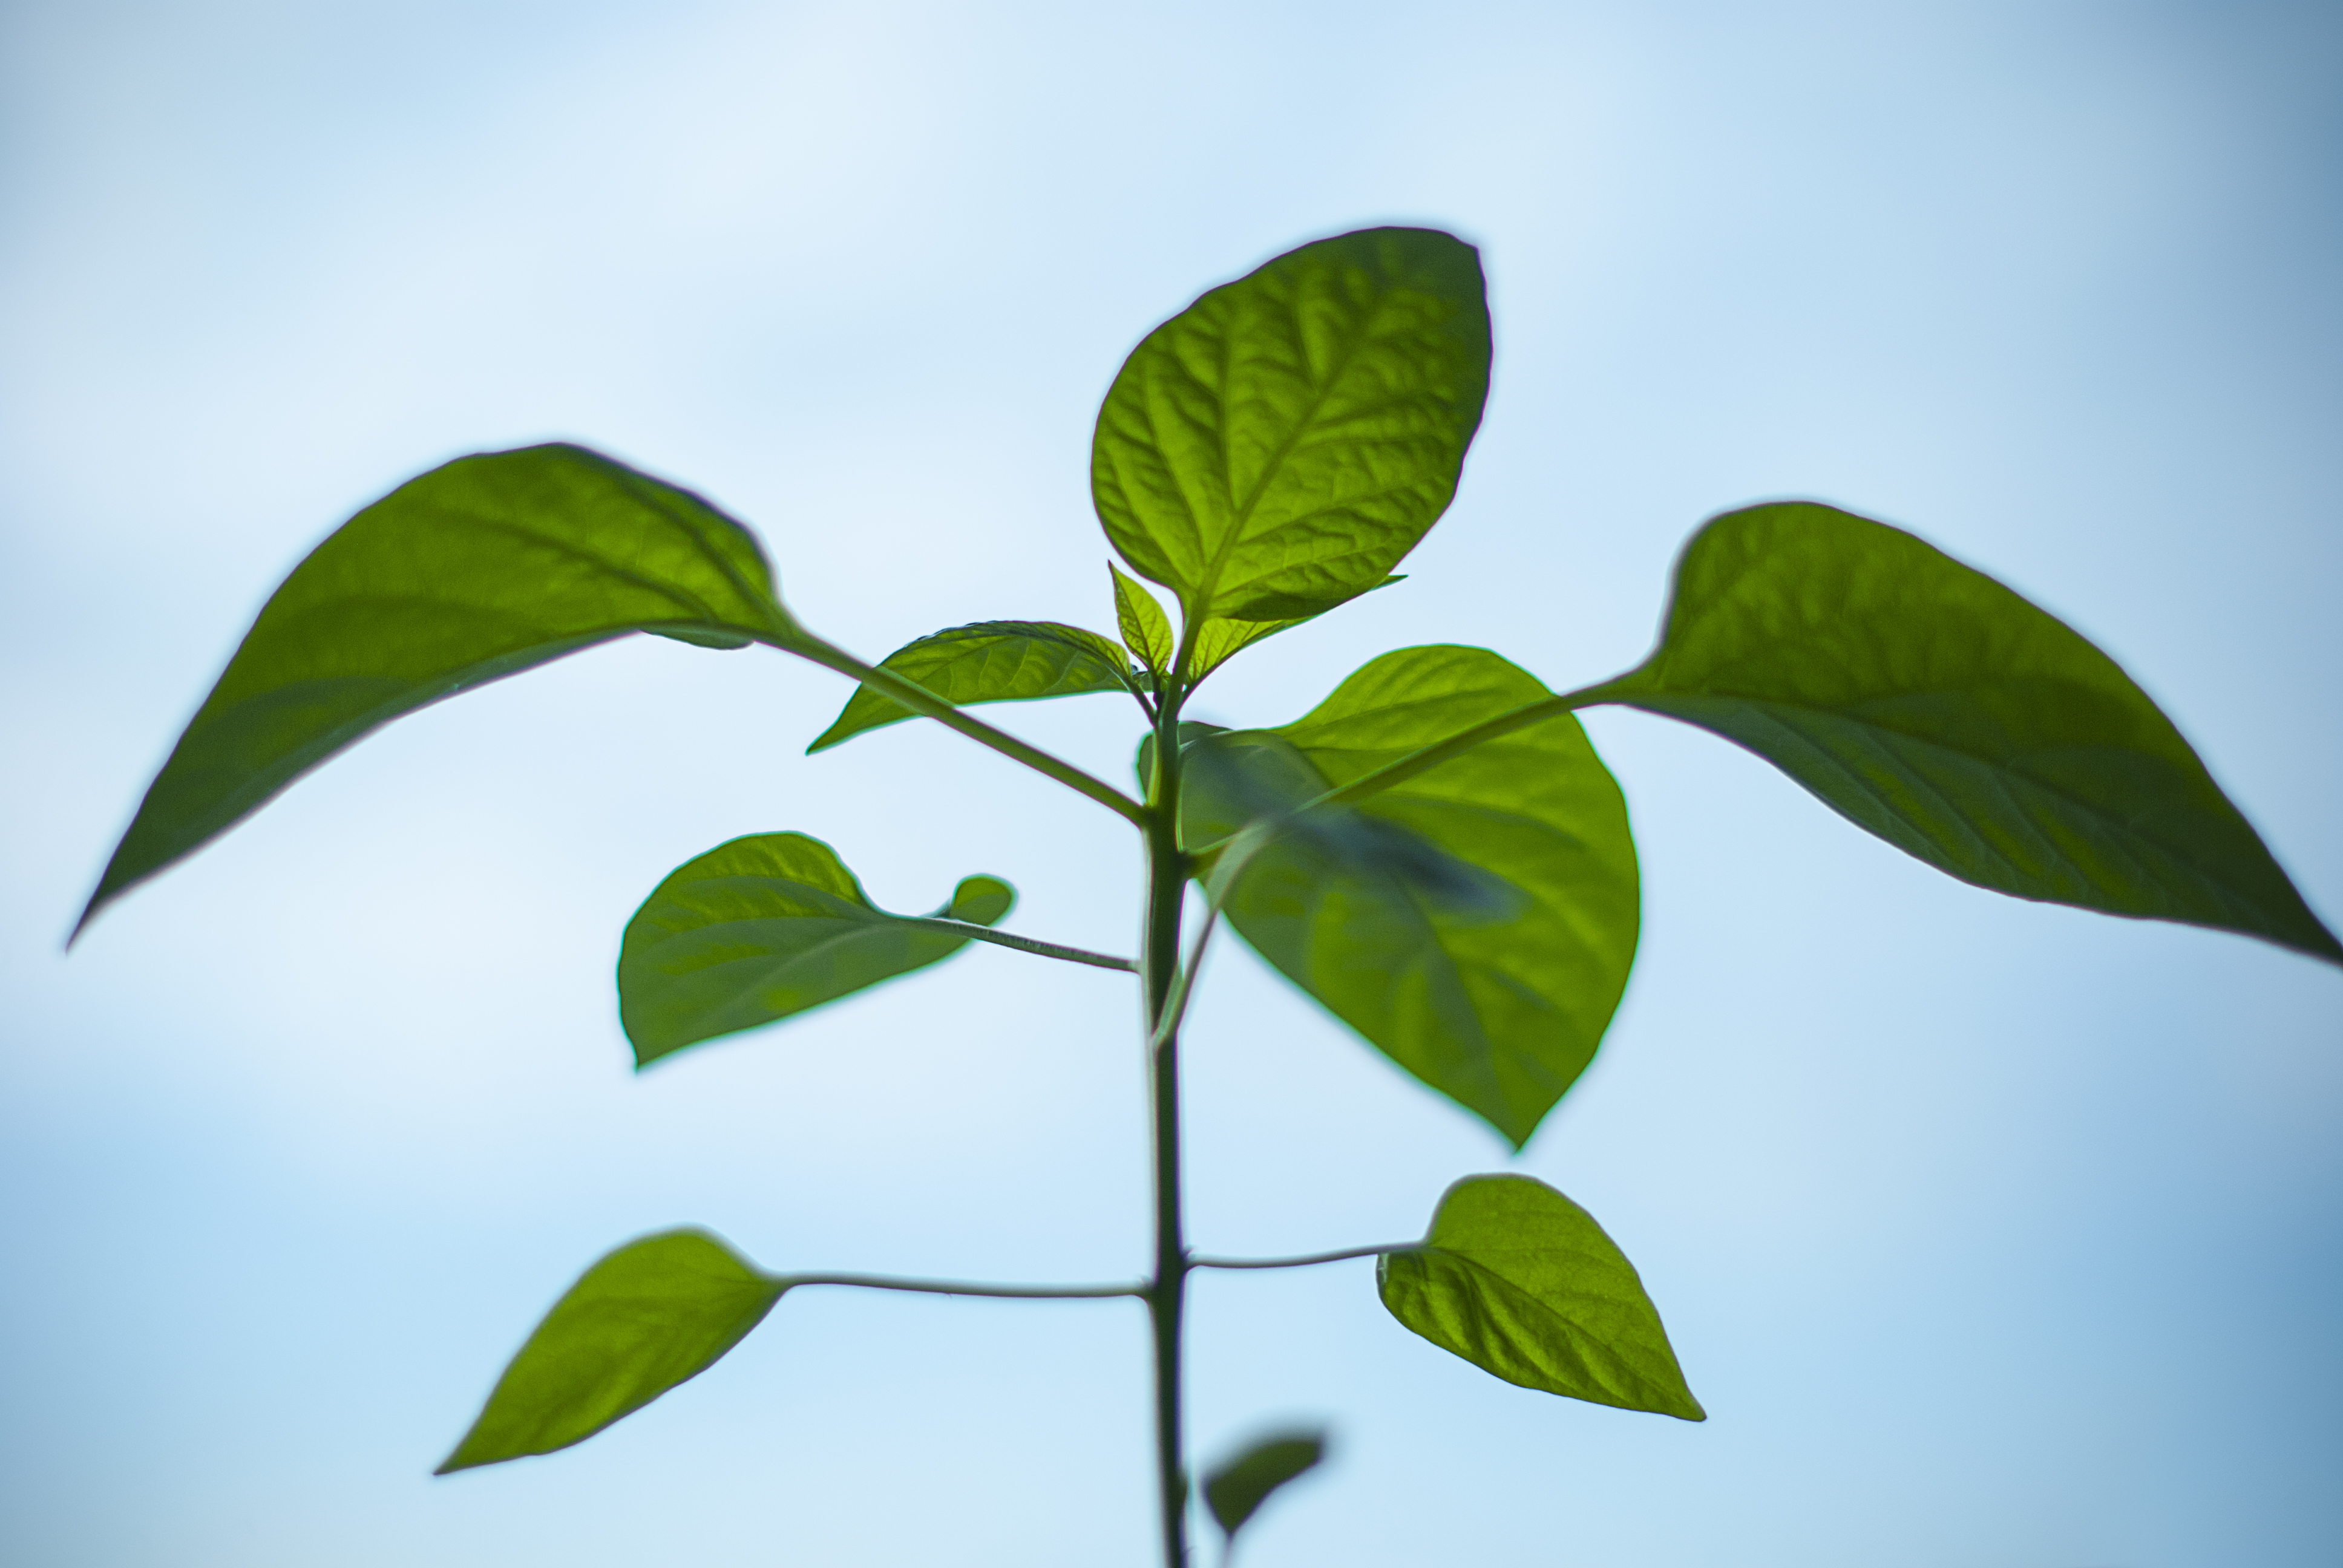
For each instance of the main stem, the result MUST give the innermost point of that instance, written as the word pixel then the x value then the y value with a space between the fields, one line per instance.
pixel 1167 1291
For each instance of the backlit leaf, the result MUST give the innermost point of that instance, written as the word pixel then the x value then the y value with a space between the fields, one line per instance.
pixel 1476 923
pixel 1273 449
pixel 991 661
pixel 1219 639
pixel 764 927
pixel 475 570
pixel 1929 704
pixel 1522 1282
pixel 1236 1490
pixel 653 1314
pixel 1146 629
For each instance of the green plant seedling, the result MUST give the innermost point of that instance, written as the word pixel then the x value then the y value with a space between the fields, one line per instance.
pixel 1434 852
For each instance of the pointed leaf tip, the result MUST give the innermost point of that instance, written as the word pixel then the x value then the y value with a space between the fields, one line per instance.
pixel 1235 1488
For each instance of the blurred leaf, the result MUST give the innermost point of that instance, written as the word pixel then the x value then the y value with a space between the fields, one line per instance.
pixel 475 570
pixel 764 927
pixel 1477 922
pixel 1236 1490
pixel 1522 1282
pixel 1146 629
pixel 991 661
pixel 654 1313
pixel 1273 449
pixel 1924 701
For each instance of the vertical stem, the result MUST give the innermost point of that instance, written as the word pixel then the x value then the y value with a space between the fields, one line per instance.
pixel 1166 881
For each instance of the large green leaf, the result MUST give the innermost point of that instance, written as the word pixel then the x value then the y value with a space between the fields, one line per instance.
pixel 475 570
pixel 1476 923
pixel 1273 449
pixel 1522 1282
pixel 991 661
pixel 764 927
pixel 654 1313
pixel 1926 702
pixel 1235 1488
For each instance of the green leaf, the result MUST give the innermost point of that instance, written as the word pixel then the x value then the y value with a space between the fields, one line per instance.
pixel 1146 629
pixel 1236 1489
pixel 1219 639
pixel 653 1314
pixel 1928 703
pixel 1273 449
pixel 475 570
pixel 764 927
pixel 990 662
pixel 1522 1282
pixel 1475 923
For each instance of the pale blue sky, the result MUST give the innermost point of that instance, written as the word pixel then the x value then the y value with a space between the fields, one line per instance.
pixel 1991 1235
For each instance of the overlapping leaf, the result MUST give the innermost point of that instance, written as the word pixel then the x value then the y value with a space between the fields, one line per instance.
pixel 1273 449
pixel 764 927
pixel 654 1313
pixel 1931 705
pixel 1522 1282
pixel 990 662
pixel 1476 923
pixel 475 570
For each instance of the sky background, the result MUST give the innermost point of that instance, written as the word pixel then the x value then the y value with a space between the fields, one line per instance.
pixel 1991 1235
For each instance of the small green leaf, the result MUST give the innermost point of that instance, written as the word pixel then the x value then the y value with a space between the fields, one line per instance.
pixel 1146 629
pixel 1928 703
pixel 1522 1282
pixel 653 1314
pixel 474 571
pixel 1476 923
pixel 1218 640
pixel 991 661
pixel 764 927
pixel 1273 449
pixel 1237 1488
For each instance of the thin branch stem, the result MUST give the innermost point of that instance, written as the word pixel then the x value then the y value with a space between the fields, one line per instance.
pixel 966 1287
pixel 1308 1260
pixel 945 926
pixel 920 700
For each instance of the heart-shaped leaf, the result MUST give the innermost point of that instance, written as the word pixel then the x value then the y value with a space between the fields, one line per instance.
pixel 1273 449
pixel 1522 1282
pixel 1476 923
pixel 764 927
pixel 477 570
pixel 653 1314
pixel 1235 1488
pixel 991 661
pixel 1928 703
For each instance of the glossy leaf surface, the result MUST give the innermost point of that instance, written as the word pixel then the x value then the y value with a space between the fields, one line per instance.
pixel 1235 1491
pixel 1273 449
pixel 991 661
pixel 764 927
pixel 1928 703
pixel 1146 629
pixel 1476 923
pixel 1522 1282
pixel 654 1313
pixel 475 570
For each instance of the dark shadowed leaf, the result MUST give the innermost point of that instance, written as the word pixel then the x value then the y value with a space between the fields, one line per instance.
pixel 1926 702
pixel 1146 629
pixel 766 926
pixel 653 1314
pixel 991 661
pixel 1522 1282
pixel 1235 1488
pixel 1273 449
pixel 1477 922
pixel 475 570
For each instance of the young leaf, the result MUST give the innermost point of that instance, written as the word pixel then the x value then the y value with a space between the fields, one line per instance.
pixel 1146 629
pixel 475 570
pixel 1273 449
pixel 1217 641
pixel 764 927
pixel 991 661
pixel 1237 1488
pixel 1928 703
pixel 654 1313
pixel 1476 923
pixel 1522 1282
